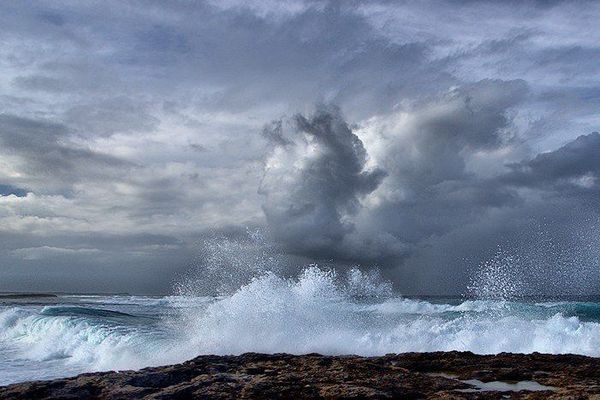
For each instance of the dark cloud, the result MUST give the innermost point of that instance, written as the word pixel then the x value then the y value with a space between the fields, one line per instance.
pixel 44 151
pixel 316 176
pixel 435 215
pixel 314 180
pixel 575 165
pixel 8 190
pixel 548 229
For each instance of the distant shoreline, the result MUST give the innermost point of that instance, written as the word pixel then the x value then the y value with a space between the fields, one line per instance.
pixel 441 375
pixel 26 295
pixel 9 295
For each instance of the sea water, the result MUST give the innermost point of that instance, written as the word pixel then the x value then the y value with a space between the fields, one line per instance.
pixel 319 311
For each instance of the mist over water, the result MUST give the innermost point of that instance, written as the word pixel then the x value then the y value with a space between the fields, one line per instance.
pixel 264 309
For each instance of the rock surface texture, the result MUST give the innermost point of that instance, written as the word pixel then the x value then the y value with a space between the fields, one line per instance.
pixel 450 375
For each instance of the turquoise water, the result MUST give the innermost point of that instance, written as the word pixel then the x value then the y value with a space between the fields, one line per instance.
pixel 44 338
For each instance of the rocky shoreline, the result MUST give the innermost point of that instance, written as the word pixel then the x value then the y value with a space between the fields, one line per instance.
pixel 441 375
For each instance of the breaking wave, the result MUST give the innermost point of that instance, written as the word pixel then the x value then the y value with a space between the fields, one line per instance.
pixel 319 311
pixel 316 314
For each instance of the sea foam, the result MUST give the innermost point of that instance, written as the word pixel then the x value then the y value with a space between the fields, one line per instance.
pixel 318 311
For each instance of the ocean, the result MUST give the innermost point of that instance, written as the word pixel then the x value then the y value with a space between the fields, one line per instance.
pixel 64 335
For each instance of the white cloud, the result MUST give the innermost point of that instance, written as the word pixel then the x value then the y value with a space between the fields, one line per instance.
pixel 45 252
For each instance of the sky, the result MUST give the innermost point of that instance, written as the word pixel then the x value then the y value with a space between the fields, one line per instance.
pixel 140 140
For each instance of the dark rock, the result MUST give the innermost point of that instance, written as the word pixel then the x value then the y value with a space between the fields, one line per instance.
pixel 282 376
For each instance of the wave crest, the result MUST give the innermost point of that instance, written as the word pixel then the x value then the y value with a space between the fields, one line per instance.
pixel 319 311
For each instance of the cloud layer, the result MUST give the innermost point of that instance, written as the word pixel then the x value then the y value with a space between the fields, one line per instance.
pixel 379 133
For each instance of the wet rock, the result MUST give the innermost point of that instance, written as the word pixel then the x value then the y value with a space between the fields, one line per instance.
pixel 440 375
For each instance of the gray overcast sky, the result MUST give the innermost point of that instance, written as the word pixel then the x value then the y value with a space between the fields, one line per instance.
pixel 416 137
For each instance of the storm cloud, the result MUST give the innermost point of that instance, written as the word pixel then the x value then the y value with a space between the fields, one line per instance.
pixel 314 180
pixel 411 137
pixel 327 195
pixel 574 167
